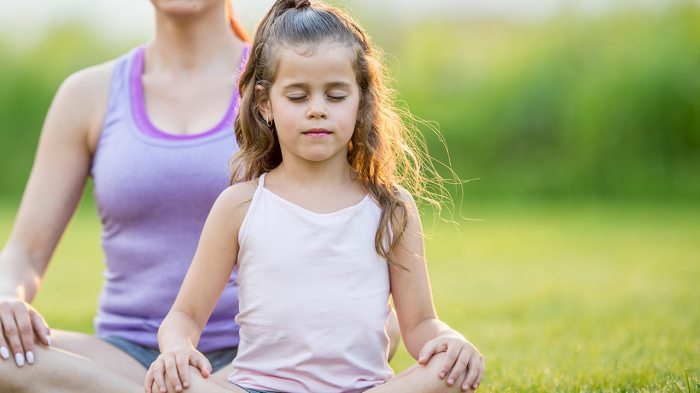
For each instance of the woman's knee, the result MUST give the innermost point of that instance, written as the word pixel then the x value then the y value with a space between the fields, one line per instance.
pixel 13 378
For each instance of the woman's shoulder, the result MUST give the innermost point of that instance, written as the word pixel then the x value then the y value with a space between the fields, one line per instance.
pixel 84 95
pixel 89 81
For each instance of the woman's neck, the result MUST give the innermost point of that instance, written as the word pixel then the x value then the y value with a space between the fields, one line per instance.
pixel 193 44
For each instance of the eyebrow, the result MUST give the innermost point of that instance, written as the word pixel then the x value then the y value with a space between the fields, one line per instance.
pixel 332 85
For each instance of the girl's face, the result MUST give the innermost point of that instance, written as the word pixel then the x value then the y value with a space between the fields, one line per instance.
pixel 313 101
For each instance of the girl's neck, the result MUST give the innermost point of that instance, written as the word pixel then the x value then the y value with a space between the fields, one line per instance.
pixel 201 43
pixel 314 175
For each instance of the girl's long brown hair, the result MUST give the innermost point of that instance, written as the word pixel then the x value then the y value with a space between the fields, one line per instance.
pixel 385 151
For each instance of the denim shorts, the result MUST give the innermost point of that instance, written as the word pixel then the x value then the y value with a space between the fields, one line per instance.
pixel 146 355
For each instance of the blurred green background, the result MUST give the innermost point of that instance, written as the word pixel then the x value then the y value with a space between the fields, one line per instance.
pixel 583 129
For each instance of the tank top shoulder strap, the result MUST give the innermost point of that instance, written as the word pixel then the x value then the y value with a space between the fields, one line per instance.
pixel 251 209
pixel 118 103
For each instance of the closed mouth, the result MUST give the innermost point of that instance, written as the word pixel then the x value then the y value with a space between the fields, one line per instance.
pixel 317 132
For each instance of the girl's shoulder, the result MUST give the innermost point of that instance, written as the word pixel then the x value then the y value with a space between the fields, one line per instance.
pixel 239 193
pixel 236 199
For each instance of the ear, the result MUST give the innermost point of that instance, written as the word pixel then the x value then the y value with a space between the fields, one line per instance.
pixel 262 100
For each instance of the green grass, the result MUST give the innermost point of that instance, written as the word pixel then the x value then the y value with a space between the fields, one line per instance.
pixel 566 297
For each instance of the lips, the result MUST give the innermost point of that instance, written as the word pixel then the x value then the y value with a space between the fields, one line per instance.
pixel 317 132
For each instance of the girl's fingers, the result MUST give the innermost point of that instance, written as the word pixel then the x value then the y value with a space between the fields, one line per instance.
pixel 202 363
pixel 171 373
pixel 482 369
pixel 429 349
pixel 148 380
pixel 183 364
pixel 459 369
pixel 9 327
pixel 451 357
pixel 158 371
pixel 26 332
pixel 40 327
pixel 472 372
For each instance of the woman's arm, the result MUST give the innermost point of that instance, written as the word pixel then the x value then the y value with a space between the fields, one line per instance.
pixel 209 273
pixel 52 193
pixel 424 334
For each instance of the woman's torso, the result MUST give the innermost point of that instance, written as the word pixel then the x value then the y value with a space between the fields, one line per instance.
pixel 153 191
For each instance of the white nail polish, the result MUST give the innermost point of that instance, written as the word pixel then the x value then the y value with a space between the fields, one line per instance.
pixel 30 357
pixel 48 339
pixel 19 359
pixel 4 353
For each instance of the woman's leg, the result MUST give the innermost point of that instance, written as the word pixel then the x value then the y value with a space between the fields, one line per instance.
pixel 74 363
pixel 420 379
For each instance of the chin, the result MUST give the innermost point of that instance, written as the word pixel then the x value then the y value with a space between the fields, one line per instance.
pixel 182 7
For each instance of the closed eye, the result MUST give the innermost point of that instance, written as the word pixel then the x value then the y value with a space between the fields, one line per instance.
pixel 296 98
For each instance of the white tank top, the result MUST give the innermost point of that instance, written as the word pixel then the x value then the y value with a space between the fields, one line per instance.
pixel 313 298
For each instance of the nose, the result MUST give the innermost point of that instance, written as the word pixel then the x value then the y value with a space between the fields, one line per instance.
pixel 317 108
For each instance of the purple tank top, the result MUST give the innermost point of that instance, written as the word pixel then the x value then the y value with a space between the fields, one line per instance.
pixel 153 192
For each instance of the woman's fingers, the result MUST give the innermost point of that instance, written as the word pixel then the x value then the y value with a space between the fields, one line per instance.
pixel 26 332
pixel 40 327
pixel 11 331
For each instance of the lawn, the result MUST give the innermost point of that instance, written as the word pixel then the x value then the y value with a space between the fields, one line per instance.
pixel 560 297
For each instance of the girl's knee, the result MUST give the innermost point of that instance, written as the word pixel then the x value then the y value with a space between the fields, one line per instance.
pixel 428 377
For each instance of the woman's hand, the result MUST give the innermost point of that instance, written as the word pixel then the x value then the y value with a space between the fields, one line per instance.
pixel 172 368
pixel 20 323
pixel 463 360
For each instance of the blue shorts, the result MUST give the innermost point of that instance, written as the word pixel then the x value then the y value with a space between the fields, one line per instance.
pixel 146 355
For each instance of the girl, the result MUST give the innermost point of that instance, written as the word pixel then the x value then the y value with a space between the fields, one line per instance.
pixel 320 228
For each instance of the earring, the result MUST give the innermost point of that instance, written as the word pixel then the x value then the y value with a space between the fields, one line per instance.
pixel 269 122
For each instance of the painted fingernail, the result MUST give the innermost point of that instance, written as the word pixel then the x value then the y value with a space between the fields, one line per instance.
pixel 19 359
pixel 442 375
pixel 30 357
pixel 450 381
pixel 4 353
pixel 178 388
pixel 48 340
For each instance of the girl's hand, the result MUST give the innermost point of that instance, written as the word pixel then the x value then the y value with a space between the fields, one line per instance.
pixel 172 368
pixel 462 360
pixel 19 323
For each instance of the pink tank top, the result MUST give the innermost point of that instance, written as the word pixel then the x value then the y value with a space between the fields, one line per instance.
pixel 313 298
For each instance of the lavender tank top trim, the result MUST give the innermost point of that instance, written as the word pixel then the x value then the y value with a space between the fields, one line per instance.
pixel 138 107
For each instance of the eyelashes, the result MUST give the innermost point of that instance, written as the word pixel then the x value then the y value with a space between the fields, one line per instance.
pixel 332 98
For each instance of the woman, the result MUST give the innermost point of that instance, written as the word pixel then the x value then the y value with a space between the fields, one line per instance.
pixel 154 130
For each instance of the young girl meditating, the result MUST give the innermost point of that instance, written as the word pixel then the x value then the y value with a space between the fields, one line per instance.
pixel 320 227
